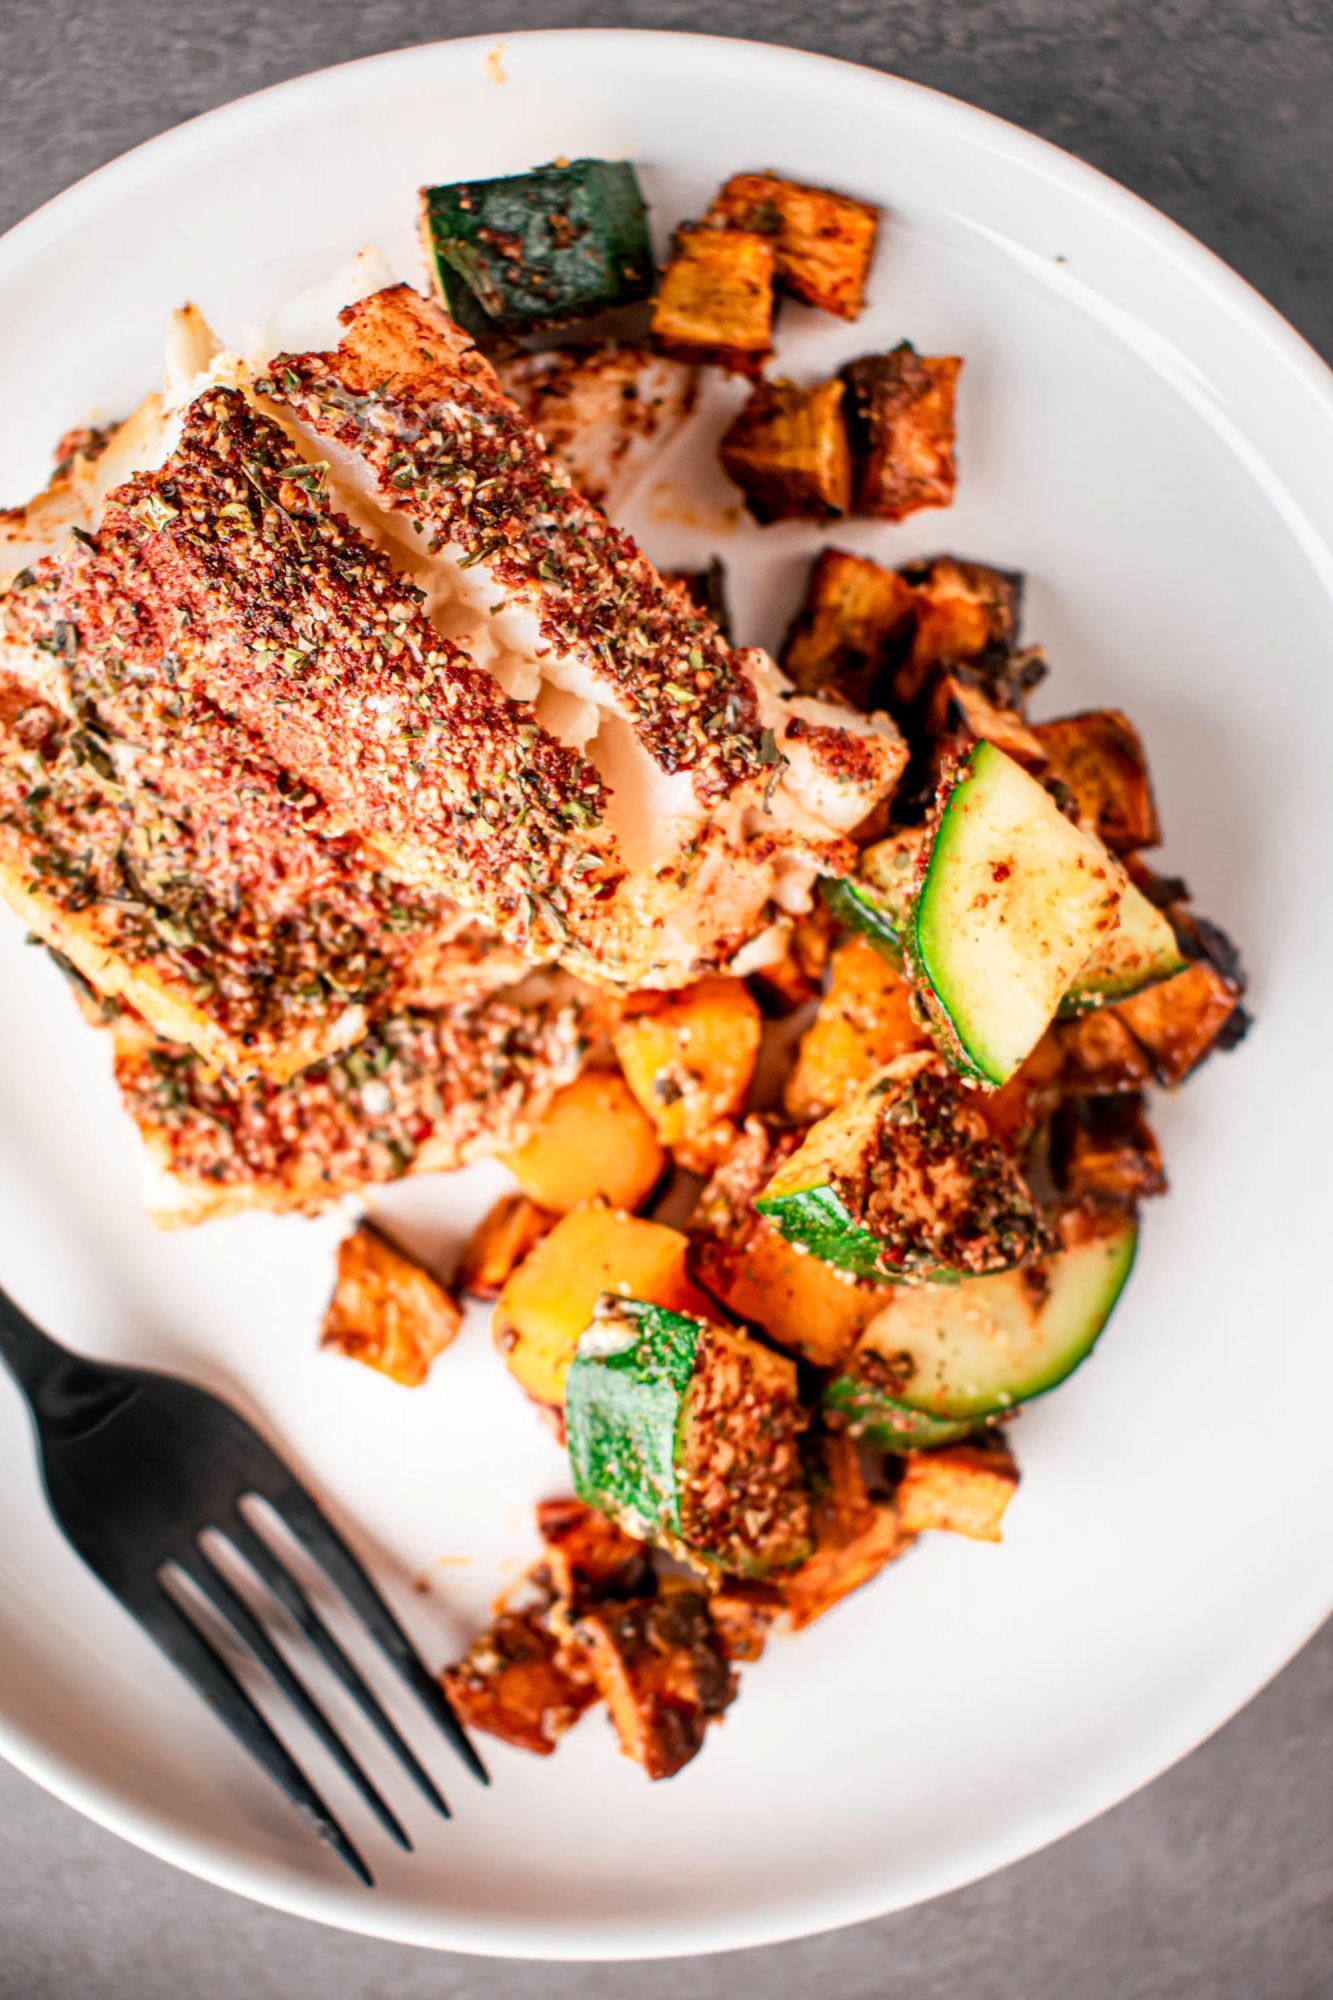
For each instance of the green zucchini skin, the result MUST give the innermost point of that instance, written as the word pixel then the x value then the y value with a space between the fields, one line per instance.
pixel 870 1412
pixel 535 249
pixel 1013 902
pixel 988 1344
pixel 624 1407
pixel 859 907
pixel 1142 951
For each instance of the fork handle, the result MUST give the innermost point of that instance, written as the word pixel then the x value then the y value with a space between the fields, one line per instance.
pixel 32 1357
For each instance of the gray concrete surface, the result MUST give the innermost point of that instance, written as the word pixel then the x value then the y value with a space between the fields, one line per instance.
pixel 1218 1880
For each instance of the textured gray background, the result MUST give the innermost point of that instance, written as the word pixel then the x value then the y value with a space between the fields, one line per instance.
pixel 1218 1881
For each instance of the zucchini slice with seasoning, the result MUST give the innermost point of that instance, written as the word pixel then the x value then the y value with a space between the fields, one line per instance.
pixel 1140 952
pixel 903 1181
pixel 530 250
pixel 1014 902
pixel 959 1353
pixel 686 1433
pixel 878 898
pixel 863 1397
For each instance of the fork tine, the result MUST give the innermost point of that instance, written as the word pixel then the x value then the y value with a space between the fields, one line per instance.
pixel 313 1527
pixel 202 1570
pixel 255 1550
pixel 196 1657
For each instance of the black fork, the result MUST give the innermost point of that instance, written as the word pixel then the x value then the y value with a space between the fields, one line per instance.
pixel 139 1469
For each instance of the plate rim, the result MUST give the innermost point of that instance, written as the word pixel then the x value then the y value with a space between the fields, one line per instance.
pixel 1251 1668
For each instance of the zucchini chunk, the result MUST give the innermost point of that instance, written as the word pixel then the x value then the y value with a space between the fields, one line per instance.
pixel 595 1139
pixel 878 899
pixel 855 1535
pixel 1013 903
pixel 900 413
pixel 1098 758
pixel 963 1489
pixel 515 1682
pixel 963 1352
pixel 715 300
pixel 549 1300
pixel 1104 1150
pixel 904 1181
pixel 499 1243
pixel 865 1020
pixel 688 1057
pixel 855 617
pixel 787 451
pixel 386 1311
pixel 659 1666
pixel 864 1396
pixel 750 1268
pixel 530 250
pixel 823 242
pixel 1140 952
pixel 686 1433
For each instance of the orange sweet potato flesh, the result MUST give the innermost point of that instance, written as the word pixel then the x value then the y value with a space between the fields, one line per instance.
pixel 513 1683
pixel 961 1488
pixel 864 1021
pixel 824 242
pixel 386 1311
pixel 715 300
pixel 689 1057
pixel 595 1139
pixel 855 1535
pixel 499 1243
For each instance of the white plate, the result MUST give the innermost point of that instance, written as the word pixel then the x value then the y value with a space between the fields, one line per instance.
pixel 1144 437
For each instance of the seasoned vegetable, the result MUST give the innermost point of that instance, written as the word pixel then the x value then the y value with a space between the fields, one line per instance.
pixel 586 1558
pixel 686 1432
pixel 595 1139
pixel 1098 1055
pixel 1014 901
pixel 1141 951
pixel 866 1396
pixel 959 711
pixel 797 977
pixel 715 301
pixel 855 1535
pixel 387 1311
pixel 1103 1149
pixel 975 1349
pixel 749 1267
pixel 659 1667
pixel 823 241
pixel 904 1181
pixel 878 899
pixel 529 250
pixel 855 619
pixel 964 1489
pixel 900 413
pixel 865 1020
pixel 515 1682
pixel 787 451
pixel 499 1243
pixel 688 1056
pixel 549 1301
pixel 742 1612
pixel 965 612
pixel 1098 758
pixel 1184 1019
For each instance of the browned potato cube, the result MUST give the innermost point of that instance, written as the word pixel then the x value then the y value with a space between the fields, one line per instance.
pixel 1099 1055
pixel 824 241
pixel 1099 757
pixel 658 1664
pixel 500 1242
pixel 386 1311
pixel 715 300
pixel 856 616
pixel 959 712
pixel 787 451
pixel 855 1536
pixel 1184 1019
pixel 1104 1150
pixel 513 1683
pixel 588 1558
pixel 963 1488
pixel 742 1613
pixel 965 612
pixel 900 413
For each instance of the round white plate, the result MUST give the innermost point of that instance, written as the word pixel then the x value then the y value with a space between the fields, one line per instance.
pixel 1151 444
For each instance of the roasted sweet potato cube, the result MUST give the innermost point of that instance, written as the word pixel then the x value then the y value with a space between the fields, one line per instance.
pixel 706 590
pixel 1099 1055
pixel 787 451
pixel 1099 758
pixel 715 300
pixel 824 241
pixel 1015 1111
pixel 513 1683
pixel 500 1242
pixel 688 1056
pixel 1184 1019
pixel 799 1301
pixel 865 1019
pixel 1104 1150
pixel 798 976
pixel 386 1311
pixel 855 1535
pixel 595 1139
pixel 742 1613
pixel 588 1558
pixel 963 1488
pixel 659 1666
pixel 900 415
pixel 966 612
pixel 959 711
pixel 856 618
